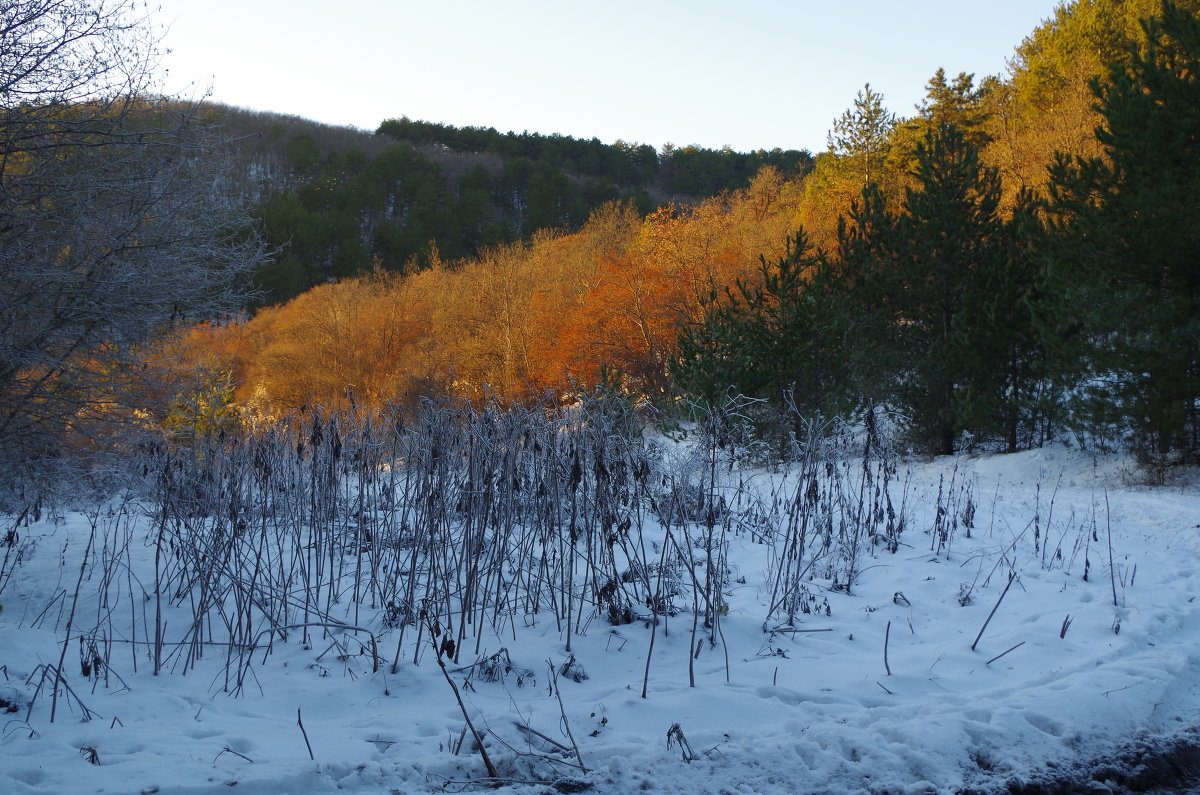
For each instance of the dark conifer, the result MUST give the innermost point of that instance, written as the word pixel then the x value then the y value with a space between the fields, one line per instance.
pixel 777 339
pixel 1127 261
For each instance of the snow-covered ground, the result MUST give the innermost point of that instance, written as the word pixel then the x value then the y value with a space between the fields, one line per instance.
pixel 810 708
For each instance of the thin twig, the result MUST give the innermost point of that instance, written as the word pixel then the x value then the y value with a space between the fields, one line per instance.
pixel 1012 575
pixel 535 732
pixel 300 723
pixel 228 750
pixel 487 760
pixel 1112 566
pixel 563 713
pixel 1006 651
pixel 886 634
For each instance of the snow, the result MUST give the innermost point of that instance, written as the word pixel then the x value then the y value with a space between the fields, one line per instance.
pixel 771 711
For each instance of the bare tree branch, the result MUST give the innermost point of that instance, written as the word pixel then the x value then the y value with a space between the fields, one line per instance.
pixel 116 221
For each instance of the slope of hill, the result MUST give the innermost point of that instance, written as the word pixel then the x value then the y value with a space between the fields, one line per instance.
pixel 340 202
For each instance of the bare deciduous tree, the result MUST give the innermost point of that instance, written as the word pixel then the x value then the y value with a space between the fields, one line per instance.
pixel 115 220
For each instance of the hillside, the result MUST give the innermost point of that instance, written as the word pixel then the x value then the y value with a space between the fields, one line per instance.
pixel 340 202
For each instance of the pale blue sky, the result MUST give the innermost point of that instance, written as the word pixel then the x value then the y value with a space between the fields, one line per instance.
pixel 753 74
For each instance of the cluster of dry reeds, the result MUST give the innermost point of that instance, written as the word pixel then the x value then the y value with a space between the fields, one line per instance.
pixel 452 528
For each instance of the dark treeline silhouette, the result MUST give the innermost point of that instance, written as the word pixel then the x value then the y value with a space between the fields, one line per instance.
pixel 690 170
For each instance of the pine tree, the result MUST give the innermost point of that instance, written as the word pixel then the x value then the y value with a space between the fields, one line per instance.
pixel 1127 263
pixel 776 339
pixel 917 275
pixel 1007 395
pixel 958 101
pixel 861 134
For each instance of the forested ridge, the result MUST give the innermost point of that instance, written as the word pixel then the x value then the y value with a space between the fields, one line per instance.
pixel 1011 263
pixel 340 202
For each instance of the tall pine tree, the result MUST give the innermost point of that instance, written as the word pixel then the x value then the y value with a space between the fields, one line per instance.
pixel 927 281
pixel 1127 263
pixel 861 135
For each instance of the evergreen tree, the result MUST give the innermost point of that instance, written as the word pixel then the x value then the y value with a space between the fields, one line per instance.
pixel 915 274
pixel 778 338
pixel 866 251
pixel 1007 394
pixel 1127 263
pixel 958 101
pixel 861 134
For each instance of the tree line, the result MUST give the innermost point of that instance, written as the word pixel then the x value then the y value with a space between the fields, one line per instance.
pixel 560 312
pixel 337 203
pixel 1013 263
pixel 1075 309
pixel 692 170
pixel 989 289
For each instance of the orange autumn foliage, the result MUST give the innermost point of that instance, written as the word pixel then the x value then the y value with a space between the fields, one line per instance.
pixel 519 322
